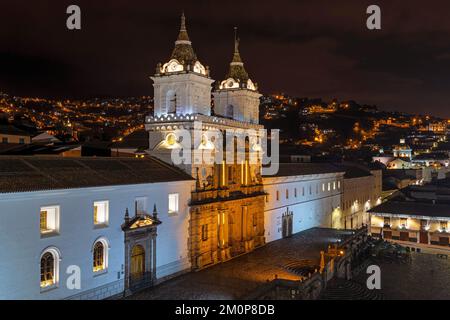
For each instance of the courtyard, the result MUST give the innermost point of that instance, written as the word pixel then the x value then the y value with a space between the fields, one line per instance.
pixel 238 277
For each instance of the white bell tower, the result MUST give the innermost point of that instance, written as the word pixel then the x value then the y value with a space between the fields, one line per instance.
pixel 237 97
pixel 182 85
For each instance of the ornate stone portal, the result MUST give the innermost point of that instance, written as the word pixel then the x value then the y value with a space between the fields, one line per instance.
pixel 140 250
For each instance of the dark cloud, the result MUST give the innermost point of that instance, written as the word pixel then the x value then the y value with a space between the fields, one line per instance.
pixel 304 48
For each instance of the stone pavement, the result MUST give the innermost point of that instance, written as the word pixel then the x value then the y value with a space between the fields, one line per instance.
pixel 241 275
pixel 426 277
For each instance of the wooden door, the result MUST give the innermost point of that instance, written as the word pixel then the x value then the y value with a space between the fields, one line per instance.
pixel 137 262
pixel 404 236
pixel 423 237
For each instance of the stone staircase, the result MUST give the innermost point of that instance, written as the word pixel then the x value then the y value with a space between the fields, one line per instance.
pixel 339 289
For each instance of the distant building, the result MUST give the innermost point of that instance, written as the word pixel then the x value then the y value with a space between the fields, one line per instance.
pixel 402 150
pixel 362 190
pixel 9 134
pixel 417 216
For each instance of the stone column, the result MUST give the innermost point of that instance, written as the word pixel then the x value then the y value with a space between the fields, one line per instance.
pixel 154 256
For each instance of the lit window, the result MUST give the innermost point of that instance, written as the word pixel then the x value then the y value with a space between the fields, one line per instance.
pixel 323 187
pixel 339 184
pixel 100 256
pixel 173 203
pixel 49 268
pixel 443 226
pixel 49 220
pixel 334 185
pixel 101 212
pixel 329 186
pixel 387 222
pixel 403 223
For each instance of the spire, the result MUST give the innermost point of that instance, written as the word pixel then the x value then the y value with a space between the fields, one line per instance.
pixel 183 35
pixel 127 216
pixel 183 50
pixel 155 212
pixel 236 56
pixel 237 70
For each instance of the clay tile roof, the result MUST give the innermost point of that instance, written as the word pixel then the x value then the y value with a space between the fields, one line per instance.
pixel 299 169
pixel 37 173
pixel 413 208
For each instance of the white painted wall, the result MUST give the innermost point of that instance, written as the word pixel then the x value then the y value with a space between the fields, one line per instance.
pixel 310 210
pixel 21 244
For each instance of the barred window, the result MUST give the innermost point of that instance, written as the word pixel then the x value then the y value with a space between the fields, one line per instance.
pixel 99 257
pixel 47 270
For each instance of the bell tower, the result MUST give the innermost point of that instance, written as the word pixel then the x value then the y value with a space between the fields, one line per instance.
pixel 182 85
pixel 237 97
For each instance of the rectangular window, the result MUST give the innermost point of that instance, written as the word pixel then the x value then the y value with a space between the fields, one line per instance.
pixel 278 195
pixel 387 222
pixel 443 226
pixel 295 192
pixel 101 212
pixel 21 140
pixel 49 220
pixel 303 191
pixel 4 140
pixel 267 198
pixel 334 185
pixel 323 187
pixel 339 184
pixel 287 194
pixel 329 186
pixel 140 205
pixel 204 232
pixel 403 223
pixel 173 203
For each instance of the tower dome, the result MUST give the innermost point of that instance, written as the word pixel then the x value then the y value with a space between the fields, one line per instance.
pixel 183 58
pixel 237 77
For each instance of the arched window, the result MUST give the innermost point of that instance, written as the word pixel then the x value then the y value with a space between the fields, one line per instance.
pixel 100 255
pixel 49 268
pixel 171 101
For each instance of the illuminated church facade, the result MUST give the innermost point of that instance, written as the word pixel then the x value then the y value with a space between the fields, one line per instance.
pixel 132 223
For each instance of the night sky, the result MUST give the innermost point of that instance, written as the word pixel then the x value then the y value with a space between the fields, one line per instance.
pixel 304 48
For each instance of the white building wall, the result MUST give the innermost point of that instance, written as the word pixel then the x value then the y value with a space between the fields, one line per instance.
pixel 193 93
pixel 245 104
pixel 21 244
pixel 310 210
